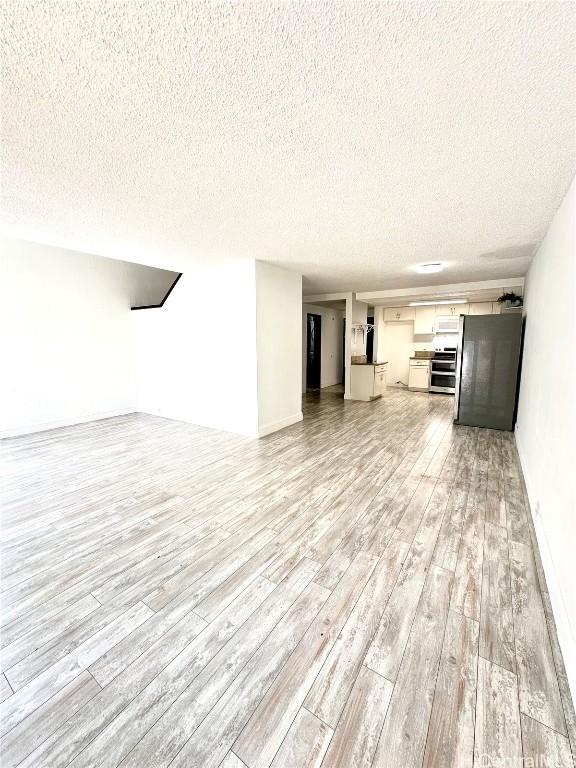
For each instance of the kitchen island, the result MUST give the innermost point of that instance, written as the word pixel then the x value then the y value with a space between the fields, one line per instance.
pixel 367 380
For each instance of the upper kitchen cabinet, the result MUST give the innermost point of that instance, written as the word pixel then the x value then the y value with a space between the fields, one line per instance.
pixel 399 313
pixel 484 308
pixel 424 320
pixel 447 310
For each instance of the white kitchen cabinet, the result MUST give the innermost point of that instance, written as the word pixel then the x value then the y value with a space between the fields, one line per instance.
pixel 424 319
pixel 380 379
pixel 481 308
pixel 419 375
pixel 368 381
pixel 451 310
pixel 496 308
pixel 398 314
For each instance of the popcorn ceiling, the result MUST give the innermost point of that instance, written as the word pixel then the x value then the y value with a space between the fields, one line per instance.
pixel 345 140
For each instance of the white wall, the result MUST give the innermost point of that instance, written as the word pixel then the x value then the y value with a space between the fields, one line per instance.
pixel 279 346
pixel 73 350
pixel 66 338
pixel 396 347
pixel 235 368
pixel 331 346
pixel 546 423
pixel 196 356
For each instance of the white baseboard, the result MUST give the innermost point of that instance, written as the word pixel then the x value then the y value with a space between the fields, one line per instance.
pixel 70 422
pixel 198 422
pixel 267 429
pixel 44 426
pixel 564 628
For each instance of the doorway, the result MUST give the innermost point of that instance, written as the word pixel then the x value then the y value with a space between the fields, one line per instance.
pixel 313 350
pixel 343 380
pixel 370 341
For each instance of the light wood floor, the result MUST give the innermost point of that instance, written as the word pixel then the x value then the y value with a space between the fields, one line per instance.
pixel 357 590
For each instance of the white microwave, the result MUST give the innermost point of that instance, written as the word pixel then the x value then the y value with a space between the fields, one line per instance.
pixel 447 324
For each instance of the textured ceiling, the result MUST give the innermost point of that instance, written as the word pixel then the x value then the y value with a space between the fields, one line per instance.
pixel 345 140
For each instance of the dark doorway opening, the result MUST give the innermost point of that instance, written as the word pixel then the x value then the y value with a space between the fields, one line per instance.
pixel 343 381
pixel 370 342
pixel 313 350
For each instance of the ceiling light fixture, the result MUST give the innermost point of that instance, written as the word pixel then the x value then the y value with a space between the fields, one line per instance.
pixel 433 303
pixel 428 269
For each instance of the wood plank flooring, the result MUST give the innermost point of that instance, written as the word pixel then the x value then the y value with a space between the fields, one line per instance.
pixel 356 591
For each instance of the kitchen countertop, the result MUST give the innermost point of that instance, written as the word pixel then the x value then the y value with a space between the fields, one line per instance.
pixel 384 362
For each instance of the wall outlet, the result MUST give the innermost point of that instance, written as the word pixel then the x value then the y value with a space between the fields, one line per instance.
pixel 537 512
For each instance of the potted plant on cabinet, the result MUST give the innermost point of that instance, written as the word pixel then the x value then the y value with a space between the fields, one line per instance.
pixel 510 300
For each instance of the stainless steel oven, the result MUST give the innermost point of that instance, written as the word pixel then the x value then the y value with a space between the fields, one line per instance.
pixel 443 371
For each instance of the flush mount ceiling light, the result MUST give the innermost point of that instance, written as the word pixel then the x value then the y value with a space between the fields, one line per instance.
pixel 428 269
pixel 434 303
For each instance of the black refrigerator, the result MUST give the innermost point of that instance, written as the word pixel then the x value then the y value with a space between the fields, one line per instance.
pixel 488 370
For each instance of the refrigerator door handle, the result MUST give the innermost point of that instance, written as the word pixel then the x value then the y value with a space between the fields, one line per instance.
pixel 459 351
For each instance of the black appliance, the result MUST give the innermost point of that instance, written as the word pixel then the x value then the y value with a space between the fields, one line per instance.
pixel 488 369
pixel 443 371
